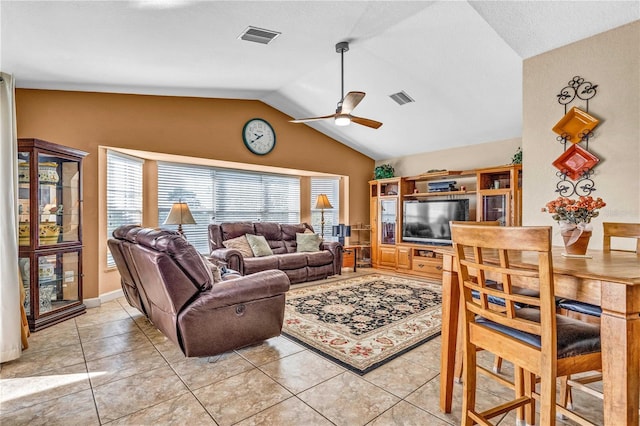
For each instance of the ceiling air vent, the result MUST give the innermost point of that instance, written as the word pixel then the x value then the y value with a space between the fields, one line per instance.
pixel 401 98
pixel 258 35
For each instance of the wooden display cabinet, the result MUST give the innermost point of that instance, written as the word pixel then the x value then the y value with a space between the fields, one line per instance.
pixel 50 231
pixel 499 195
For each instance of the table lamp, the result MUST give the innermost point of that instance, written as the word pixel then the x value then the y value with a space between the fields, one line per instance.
pixel 322 202
pixel 179 215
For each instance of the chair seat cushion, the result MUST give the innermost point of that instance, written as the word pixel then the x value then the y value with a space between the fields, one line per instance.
pixel 580 307
pixel 574 337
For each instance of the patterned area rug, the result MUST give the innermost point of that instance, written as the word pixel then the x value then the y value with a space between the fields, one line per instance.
pixel 366 321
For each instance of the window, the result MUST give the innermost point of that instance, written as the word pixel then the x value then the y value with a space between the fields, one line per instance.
pixel 330 187
pixel 217 195
pixel 124 193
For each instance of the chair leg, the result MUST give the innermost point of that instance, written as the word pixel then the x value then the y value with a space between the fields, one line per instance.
pixel 529 388
pixel 565 393
pixel 469 384
pixel 519 385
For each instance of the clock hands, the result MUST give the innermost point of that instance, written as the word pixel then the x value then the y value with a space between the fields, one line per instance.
pixel 257 137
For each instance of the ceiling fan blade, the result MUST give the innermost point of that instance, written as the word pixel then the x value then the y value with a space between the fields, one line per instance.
pixel 366 122
pixel 306 120
pixel 351 101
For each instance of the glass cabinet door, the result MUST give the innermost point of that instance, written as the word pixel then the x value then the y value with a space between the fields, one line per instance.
pixel 495 208
pixel 58 200
pixel 58 277
pixel 24 199
pixel 388 220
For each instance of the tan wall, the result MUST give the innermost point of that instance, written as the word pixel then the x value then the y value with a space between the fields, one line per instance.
pixel 197 127
pixel 612 61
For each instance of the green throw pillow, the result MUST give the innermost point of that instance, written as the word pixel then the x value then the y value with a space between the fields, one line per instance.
pixel 259 245
pixel 308 242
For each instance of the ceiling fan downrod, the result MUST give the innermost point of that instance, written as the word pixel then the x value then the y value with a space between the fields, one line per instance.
pixel 342 47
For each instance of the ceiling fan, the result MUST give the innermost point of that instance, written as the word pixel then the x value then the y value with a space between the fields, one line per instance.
pixel 347 103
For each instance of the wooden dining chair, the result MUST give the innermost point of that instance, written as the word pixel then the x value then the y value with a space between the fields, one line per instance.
pixel 537 341
pixel 591 313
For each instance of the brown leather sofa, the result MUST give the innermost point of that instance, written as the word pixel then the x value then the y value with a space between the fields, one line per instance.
pixel 299 267
pixel 166 278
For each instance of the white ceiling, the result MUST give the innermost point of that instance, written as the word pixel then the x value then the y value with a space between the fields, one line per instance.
pixel 460 60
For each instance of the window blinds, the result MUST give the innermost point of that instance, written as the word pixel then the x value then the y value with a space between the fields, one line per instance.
pixel 217 195
pixel 124 193
pixel 330 187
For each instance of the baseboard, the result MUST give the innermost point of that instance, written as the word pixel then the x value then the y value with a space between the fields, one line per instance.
pixel 95 302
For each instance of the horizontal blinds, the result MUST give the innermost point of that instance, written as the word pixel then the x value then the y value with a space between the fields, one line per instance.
pixel 124 193
pixel 331 188
pixel 218 195
pixel 193 185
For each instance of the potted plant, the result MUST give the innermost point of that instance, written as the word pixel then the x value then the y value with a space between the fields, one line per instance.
pixel 383 171
pixel 574 217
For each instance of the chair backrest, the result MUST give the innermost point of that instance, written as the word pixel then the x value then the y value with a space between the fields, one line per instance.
pixel 483 254
pixel 621 230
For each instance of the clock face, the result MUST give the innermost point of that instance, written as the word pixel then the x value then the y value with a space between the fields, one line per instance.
pixel 258 136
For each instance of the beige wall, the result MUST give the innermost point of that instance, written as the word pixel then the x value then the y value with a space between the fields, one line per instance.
pixel 196 127
pixel 612 61
pixel 464 158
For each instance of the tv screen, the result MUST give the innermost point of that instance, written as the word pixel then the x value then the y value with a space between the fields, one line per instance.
pixel 427 221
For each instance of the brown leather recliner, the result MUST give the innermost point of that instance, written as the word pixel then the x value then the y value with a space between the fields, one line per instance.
pixel 176 290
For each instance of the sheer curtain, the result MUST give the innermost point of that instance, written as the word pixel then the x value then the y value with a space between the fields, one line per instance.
pixel 10 321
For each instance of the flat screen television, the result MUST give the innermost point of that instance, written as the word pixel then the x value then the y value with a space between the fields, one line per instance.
pixel 427 221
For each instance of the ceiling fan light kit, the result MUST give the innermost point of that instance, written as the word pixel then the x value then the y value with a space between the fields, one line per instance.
pixel 347 103
pixel 342 120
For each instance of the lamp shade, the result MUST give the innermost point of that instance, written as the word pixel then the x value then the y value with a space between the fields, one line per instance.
pixel 179 215
pixel 322 202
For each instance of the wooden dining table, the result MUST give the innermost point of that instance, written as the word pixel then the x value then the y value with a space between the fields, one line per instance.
pixel 610 280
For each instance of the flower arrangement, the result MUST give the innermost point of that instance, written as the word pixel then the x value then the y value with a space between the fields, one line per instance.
pixel 383 171
pixel 574 212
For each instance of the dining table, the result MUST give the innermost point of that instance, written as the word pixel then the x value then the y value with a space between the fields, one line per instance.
pixel 610 280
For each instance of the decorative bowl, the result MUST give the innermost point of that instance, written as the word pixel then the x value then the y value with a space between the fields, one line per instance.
pixel 48 231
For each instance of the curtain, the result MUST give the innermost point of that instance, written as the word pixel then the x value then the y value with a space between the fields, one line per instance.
pixel 10 319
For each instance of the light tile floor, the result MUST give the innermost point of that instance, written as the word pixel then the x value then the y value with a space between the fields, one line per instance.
pixel 111 366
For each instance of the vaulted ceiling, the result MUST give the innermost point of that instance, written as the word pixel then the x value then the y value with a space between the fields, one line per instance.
pixel 461 61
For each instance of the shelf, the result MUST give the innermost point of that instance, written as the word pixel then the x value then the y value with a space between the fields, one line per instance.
pixel 442 174
pixel 437 194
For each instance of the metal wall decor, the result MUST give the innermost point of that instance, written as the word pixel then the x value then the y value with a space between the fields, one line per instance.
pixel 576 164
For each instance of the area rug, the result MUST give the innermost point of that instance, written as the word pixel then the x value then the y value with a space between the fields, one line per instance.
pixel 364 322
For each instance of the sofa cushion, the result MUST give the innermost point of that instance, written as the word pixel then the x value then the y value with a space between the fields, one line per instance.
pixel 241 244
pixel 307 242
pixel 232 230
pixel 291 261
pixel 319 258
pixel 259 245
pixel 257 264
pixel 289 232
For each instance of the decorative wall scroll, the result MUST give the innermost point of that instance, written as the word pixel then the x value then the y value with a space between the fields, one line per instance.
pixel 576 163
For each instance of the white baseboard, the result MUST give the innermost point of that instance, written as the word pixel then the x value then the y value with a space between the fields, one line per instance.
pixel 95 302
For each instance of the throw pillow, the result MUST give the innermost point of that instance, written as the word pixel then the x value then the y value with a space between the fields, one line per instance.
pixel 307 242
pixel 241 244
pixel 214 271
pixel 259 245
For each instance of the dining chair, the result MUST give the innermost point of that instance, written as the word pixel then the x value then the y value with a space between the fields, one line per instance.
pixel 591 313
pixel 536 340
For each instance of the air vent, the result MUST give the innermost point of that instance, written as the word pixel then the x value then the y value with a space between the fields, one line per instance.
pixel 258 35
pixel 401 98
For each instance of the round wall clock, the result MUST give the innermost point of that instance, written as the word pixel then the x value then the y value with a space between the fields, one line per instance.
pixel 258 136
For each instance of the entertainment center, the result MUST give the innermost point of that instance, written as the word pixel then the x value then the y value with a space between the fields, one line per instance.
pixel 410 215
